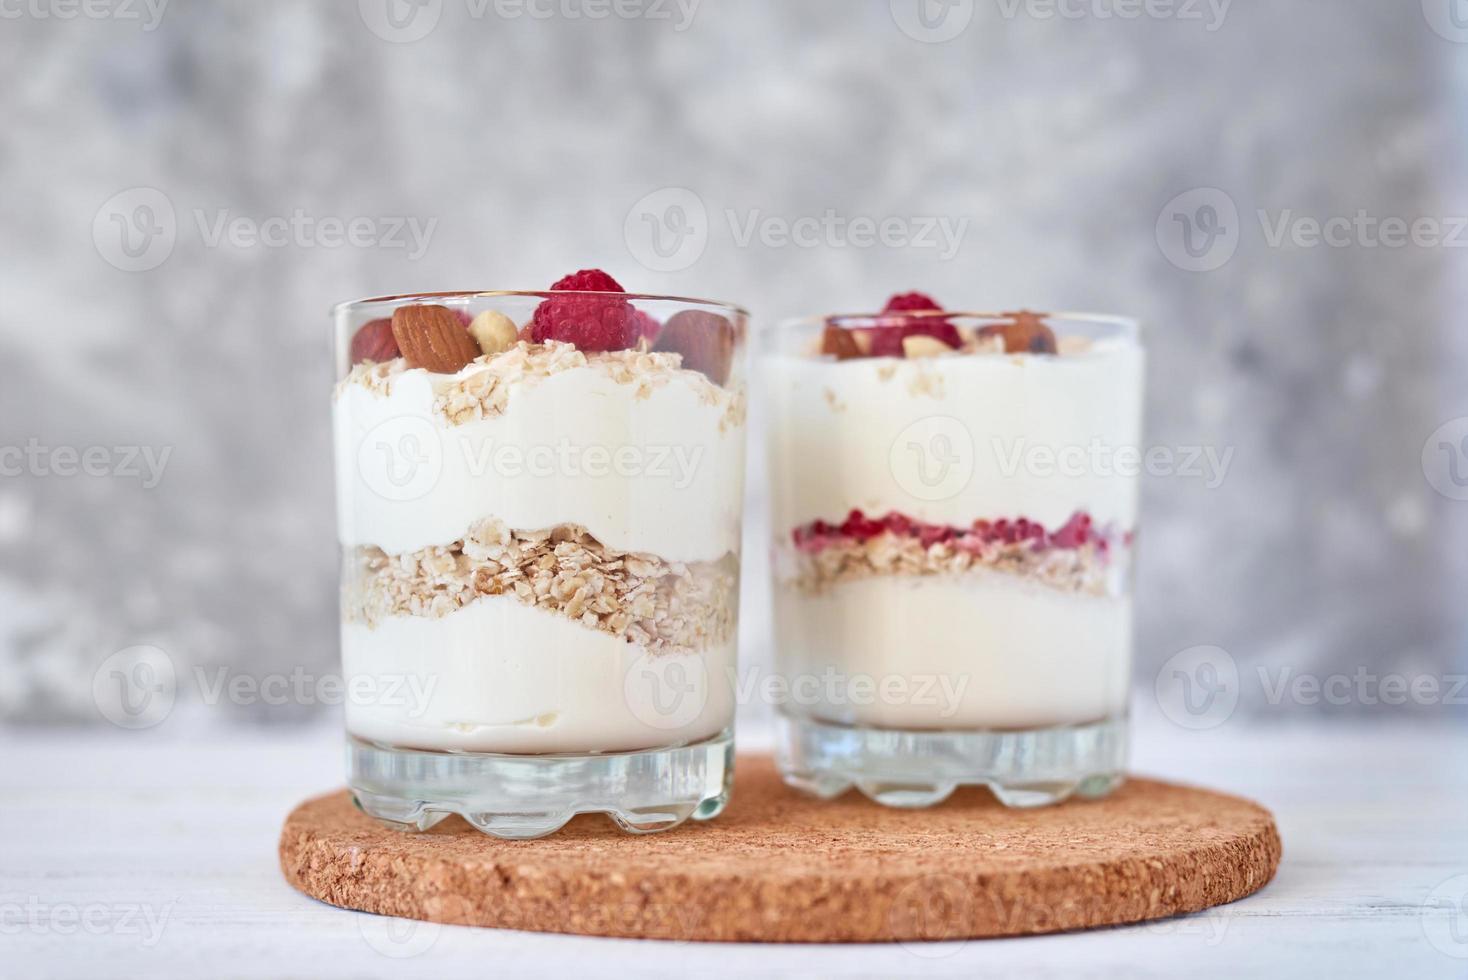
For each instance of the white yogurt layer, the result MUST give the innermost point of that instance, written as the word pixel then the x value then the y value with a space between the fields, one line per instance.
pixel 956 652
pixel 661 472
pixel 955 438
pixel 498 676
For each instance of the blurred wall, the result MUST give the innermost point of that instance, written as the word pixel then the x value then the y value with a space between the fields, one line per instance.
pixel 1082 160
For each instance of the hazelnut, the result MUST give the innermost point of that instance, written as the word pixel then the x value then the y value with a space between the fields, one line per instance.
pixel 494 331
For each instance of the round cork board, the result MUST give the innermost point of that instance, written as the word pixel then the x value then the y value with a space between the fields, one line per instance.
pixel 779 866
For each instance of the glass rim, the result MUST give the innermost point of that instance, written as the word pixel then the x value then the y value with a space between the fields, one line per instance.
pixel 354 304
pixel 1125 326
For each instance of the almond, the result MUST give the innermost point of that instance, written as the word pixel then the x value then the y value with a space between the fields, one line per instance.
pixel 1026 333
pixel 493 331
pixel 433 338
pixel 706 341
pixel 840 343
pixel 921 345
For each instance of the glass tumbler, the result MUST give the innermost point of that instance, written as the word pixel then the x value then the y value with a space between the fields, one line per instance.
pixel 540 557
pixel 953 524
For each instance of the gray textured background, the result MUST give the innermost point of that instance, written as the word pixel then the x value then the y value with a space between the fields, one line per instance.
pixel 1060 141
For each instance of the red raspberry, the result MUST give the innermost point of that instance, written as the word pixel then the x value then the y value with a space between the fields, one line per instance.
pixel 592 323
pixel 910 301
pixel 887 339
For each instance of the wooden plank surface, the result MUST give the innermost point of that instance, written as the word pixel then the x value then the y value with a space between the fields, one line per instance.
pixel 147 853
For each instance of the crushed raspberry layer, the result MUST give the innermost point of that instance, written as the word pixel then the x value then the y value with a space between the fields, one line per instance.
pixel 1076 557
pixel 1077 532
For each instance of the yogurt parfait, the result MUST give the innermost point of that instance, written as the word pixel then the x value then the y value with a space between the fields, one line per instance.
pixel 539 503
pixel 953 513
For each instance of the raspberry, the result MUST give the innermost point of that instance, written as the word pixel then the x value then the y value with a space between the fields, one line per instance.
pixel 887 339
pixel 587 281
pixel 592 323
pixel 910 301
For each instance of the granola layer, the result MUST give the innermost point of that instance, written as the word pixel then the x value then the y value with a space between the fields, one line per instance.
pixel 482 389
pixel 660 605
pixel 1076 557
pixel 1084 570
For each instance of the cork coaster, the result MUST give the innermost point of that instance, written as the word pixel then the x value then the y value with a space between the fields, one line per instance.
pixel 779 866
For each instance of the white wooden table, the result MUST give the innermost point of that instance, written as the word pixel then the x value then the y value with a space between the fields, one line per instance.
pixel 144 854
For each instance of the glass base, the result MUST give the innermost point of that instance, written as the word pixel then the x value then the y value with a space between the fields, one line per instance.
pixel 1029 768
pixel 519 797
